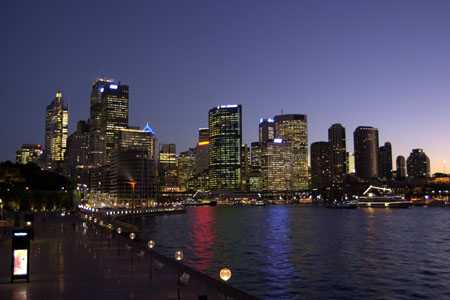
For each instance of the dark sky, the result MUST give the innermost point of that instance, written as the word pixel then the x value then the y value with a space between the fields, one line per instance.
pixel 379 63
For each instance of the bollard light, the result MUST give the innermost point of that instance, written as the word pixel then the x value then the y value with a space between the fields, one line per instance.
pixel 225 274
pixel 132 236
pixel 151 244
pixel 119 230
pixel 179 255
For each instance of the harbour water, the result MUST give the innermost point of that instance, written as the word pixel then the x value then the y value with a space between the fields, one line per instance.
pixel 295 252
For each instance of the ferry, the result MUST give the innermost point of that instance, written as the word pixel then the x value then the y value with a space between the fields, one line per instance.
pixel 384 199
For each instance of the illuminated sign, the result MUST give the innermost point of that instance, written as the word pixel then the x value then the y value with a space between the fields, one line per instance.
pixel 20 261
pixel 278 141
pixel 101 89
pixel 227 106
pixel 148 129
pixel 203 143
pixel 113 86
pixel 20 233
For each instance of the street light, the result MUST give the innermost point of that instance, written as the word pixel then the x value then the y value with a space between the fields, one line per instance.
pixel 178 257
pixel 225 275
pixel 151 244
pixel 119 232
pixel 132 237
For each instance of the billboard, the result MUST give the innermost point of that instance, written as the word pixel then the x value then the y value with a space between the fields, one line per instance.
pixel 20 267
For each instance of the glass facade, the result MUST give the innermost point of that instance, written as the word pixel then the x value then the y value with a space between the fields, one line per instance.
pixel 225 140
pixel 293 130
pixel 56 131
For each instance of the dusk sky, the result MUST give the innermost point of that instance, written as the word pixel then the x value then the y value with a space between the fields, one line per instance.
pixel 380 63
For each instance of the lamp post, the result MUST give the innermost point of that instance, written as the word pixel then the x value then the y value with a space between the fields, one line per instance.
pixel 119 232
pixel 151 244
pixel 225 275
pixel 132 237
pixel 178 257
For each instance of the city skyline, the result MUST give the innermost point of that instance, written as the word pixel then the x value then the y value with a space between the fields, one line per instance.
pixel 265 84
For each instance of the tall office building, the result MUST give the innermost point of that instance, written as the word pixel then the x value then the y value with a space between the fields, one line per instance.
pixel 276 166
pixel 255 154
pixel 385 161
pixel 132 174
pixel 320 165
pixel 418 164
pixel 168 169
pixel 338 155
pixel 77 155
pixel 293 130
pixel 201 152
pixel 351 163
pixel 225 140
pixel 109 114
pixel 266 130
pixel 245 168
pixel 366 151
pixel 401 167
pixel 29 153
pixel 56 131
pixel 186 163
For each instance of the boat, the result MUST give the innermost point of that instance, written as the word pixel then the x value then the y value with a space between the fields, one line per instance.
pixel 346 204
pixel 383 198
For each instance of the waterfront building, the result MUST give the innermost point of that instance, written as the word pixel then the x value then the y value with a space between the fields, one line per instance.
pixel 385 161
pixel 276 166
pixel 56 131
pixel 418 164
pixel 168 169
pixel 108 115
pixel 255 154
pixel 29 153
pixel 133 170
pixel 401 167
pixel 201 152
pixel 245 168
pixel 321 165
pixel 338 156
pixel 366 151
pixel 186 162
pixel 293 130
pixel 266 130
pixel 225 140
pixel 77 155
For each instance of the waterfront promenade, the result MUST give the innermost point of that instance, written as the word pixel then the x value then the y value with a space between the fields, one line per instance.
pixel 68 262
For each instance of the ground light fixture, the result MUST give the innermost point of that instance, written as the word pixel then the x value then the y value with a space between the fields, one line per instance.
pixel 179 255
pixel 225 274
pixel 151 244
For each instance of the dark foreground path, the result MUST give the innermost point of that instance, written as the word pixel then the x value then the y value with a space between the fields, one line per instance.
pixel 70 263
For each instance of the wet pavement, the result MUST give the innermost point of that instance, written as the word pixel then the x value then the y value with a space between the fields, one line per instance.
pixel 68 262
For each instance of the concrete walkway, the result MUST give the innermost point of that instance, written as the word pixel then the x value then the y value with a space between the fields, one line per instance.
pixel 68 262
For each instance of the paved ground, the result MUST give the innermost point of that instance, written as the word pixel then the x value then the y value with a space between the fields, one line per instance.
pixel 68 263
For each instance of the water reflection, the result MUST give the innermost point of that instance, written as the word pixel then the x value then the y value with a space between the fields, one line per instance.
pixel 203 237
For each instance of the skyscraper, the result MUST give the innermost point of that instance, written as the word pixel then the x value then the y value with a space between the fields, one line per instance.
pixel 401 167
pixel 366 151
pixel 320 165
pixel 385 161
pixel 77 155
pixel 266 130
pixel 255 154
pixel 109 114
pixel 168 170
pixel 338 155
pixel 293 130
pixel 133 169
pixel 418 164
pixel 245 168
pixel 56 130
pixel 225 140
pixel 276 166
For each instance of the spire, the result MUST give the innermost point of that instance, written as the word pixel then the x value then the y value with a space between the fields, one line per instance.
pixel 148 129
